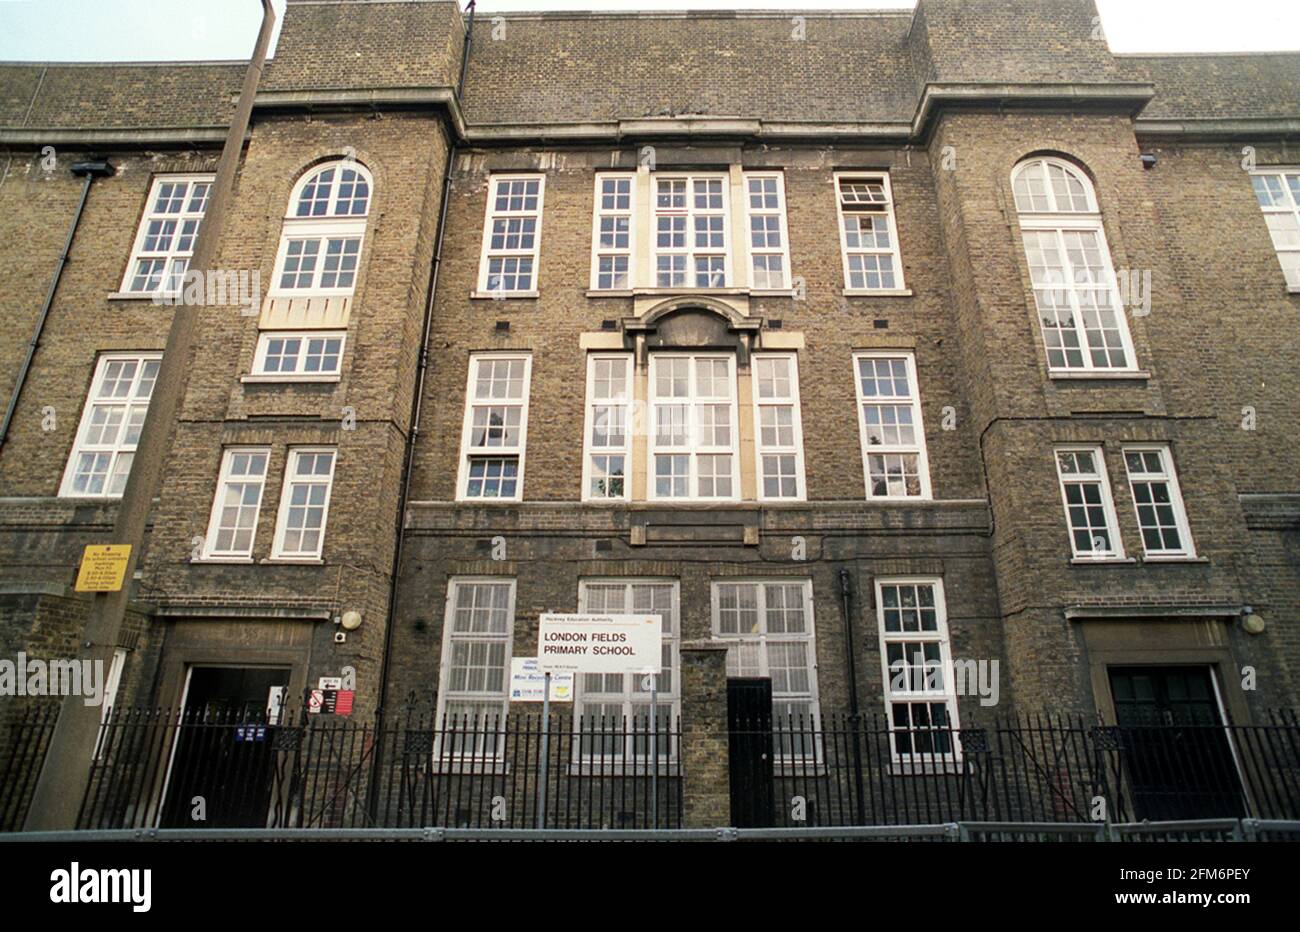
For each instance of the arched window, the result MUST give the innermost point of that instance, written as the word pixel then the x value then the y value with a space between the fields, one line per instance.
pixel 337 190
pixel 320 245
pixel 1079 305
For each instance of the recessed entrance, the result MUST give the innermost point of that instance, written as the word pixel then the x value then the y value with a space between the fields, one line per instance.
pixel 1179 759
pixel 224 747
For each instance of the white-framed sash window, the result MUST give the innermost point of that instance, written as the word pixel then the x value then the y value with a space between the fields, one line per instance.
pixel 110 425
pixel 778 427
pixel 693 448
pixel 769 246
pixel 1162 518
pixel 692 232
pixel 304 503
pixel 169 228
pixel 614 708
pixel 237 504
pixel 474 683
pixel 613 234
pixel 607 456
pixel 917 666
pixel 1080 312
pixel 894 458
pixel 494 435
pixel 864 203
pixel 769 629
pixel 1089 507
pixel 512 234
pixel 1277 191
pixel 323 231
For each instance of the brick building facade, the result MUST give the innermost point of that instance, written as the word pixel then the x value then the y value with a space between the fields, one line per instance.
pixel 693 269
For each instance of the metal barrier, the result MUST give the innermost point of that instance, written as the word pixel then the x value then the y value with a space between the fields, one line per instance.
pixel 154 768
pixel 1243 830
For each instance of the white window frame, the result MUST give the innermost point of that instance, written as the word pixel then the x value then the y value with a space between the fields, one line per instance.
pixel 112 683
pixel 1059 223
pixel 479 752
pixel 761 449
pixel 946 692
pixel 779 212
pixel 590 451
pixel 119 448
pixel 1169 475
pixel 692 449
pixel 517 452
pixel 914 399
pixel 1100 478
pixel 281 526
pixel 264 339
pixel 491 214
pixel 322 229
pixel 632 696
pixel 599 213
pixel 690 251
pixel 1289 207
pixel 891 223
pixel 762 638
pixel 175 260
pixel 210 551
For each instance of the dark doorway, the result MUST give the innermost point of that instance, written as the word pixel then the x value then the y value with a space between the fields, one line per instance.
pixel 749 721
pixel 1179 761
pixel 223 749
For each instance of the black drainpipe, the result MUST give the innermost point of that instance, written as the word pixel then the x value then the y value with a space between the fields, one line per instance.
pixel 846 603
pixel 90 170
pixel 414 430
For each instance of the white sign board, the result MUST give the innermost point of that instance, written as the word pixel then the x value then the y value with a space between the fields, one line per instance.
pixel 528 682
pixel 600 643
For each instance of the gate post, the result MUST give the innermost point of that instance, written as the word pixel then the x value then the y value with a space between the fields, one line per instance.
pixel 706 778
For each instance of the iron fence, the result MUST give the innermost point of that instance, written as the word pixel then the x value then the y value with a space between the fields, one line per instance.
pixel 839 769
pixel 1218 830
pixel 154 768
pixel 24 738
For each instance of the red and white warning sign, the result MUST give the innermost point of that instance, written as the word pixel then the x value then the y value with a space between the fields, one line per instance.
pixel 343 704
pixel 315 701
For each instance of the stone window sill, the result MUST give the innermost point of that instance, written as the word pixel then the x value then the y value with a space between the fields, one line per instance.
pixel 503 295
pixel 878 292
pixel 139 296
pixel 228 560
pixel 1059 375
pixel 287 380
pixel 1111 561
pixel 1175 559
pixel 302 561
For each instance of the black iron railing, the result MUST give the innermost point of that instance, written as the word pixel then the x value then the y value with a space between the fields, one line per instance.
pixel 840 770
pixel 153 768
pixel 316 771
pixel 24 738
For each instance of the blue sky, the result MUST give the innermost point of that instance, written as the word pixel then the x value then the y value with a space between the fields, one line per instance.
pixel 163 30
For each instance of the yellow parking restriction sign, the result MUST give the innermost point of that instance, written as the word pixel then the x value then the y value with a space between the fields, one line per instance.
pixel 103 567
